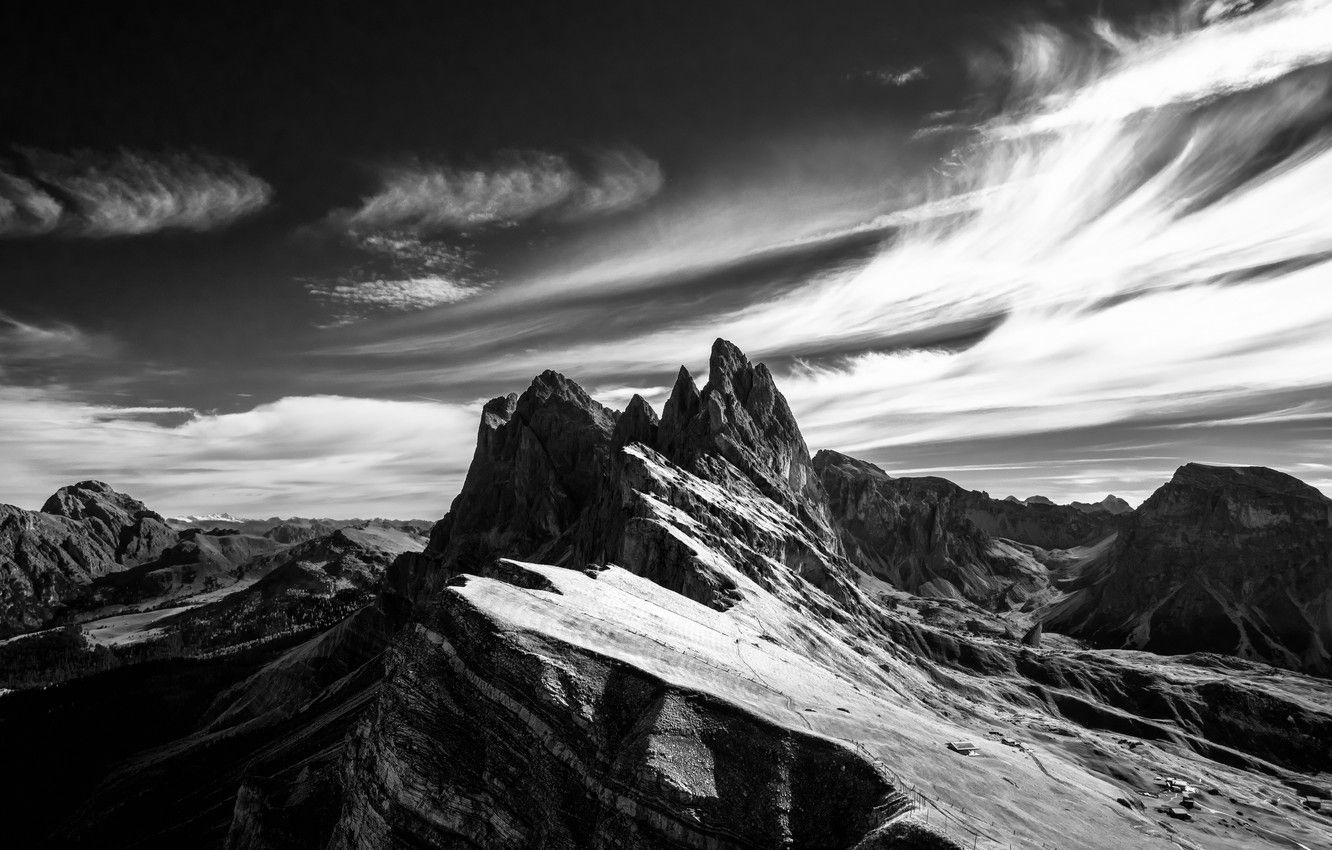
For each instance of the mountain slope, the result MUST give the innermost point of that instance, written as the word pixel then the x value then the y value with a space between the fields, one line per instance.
pixel 1220 559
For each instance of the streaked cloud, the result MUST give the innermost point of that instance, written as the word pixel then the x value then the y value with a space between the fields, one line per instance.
pixel 398 272
pixel 309 455
pixel 30 342
pixel 125 193
pixel 897 77
pixel 400 295
pixel 426 197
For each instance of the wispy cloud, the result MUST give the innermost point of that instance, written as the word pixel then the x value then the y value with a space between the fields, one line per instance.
pixel 23 342
pixel 431 197
pixel 398 273
pixel 399 295
pixel 897 77
pixel 126 193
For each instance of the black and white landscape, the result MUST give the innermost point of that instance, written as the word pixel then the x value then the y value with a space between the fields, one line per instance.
pixel 909 426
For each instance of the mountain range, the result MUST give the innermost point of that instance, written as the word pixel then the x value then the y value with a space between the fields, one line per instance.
pixel 679 629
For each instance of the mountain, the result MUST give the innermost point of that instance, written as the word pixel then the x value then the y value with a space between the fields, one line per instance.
pixel 82 532
pixel 1235 560
pixel 683 631
pixel 918 535
pixel 1111 504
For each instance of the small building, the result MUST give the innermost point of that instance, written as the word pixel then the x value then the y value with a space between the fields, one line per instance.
pixel 1312 803
pixel 1180 813
pixel 966 748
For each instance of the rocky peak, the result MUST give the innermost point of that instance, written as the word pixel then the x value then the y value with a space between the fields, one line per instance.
pixel 638 424
pixel 1115 505
pixel 540 459
pixel 681 409
pixel 741 416
pixel 135 534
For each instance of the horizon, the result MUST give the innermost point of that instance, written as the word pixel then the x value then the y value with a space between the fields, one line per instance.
pixel 1034 248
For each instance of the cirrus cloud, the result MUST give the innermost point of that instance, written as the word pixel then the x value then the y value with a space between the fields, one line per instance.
pixel 425 197
pixel 126 193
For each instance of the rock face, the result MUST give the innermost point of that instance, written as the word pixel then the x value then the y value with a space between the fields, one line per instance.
pixel 1220 559
pixel 84 531
pixel 134 534
pixel 917 534
pixel 1048 526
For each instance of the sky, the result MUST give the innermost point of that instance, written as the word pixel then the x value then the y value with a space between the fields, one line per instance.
pixel 271 261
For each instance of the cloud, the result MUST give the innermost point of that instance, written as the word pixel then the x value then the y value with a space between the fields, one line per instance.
pixel 619 180
pixel 429 198
pixel 126 193
pixel 25 208
pixel 309 455
pixel 397 295
pixel 897 77
pixel 397 273
pixel 22 342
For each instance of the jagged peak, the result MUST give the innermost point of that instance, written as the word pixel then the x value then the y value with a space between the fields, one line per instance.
pixel 638 424
pixel 680 409
pixel 729 370
pixel 551 391
pixel 498 410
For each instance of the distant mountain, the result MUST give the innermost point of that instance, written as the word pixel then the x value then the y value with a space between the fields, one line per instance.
pixel 1110 504
pixel 205 519
pixel 1220 559
pixel 51 556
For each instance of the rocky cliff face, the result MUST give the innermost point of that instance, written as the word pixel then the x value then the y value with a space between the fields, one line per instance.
pixel 1220 559
pixel 84 531
pixel 918 535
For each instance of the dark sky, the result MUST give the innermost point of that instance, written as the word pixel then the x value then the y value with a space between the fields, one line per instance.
pixel 214 224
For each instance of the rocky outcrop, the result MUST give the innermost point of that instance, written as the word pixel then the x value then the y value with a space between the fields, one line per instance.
pixel 1221 559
